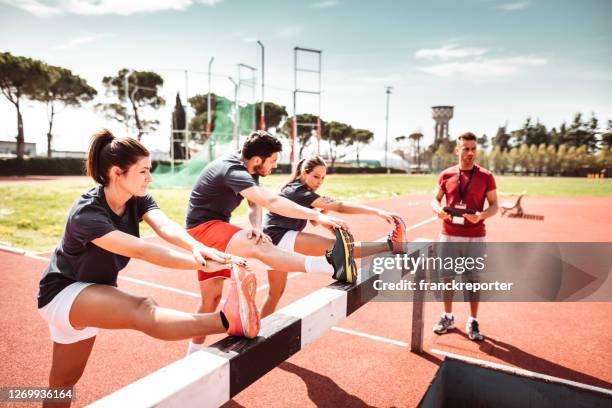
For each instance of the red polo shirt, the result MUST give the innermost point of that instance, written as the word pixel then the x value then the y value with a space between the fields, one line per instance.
pixel 475 196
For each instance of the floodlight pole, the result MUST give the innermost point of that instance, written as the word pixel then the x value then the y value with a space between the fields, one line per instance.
pixel 208 118
pixel 253 84
pixel 236 113
pixel 296 91
pixel 262 119
pixel 187 115
pixel 388 92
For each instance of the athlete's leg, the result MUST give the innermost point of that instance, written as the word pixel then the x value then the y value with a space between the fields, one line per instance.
pixel 69 361
pixel 210 291
pixel 107 307
pixel 268 253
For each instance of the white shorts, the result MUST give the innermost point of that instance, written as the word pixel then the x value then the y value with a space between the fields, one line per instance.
pixel 287 243
pixel 57 314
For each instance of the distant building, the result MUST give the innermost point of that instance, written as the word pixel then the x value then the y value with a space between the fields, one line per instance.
pixel 8 148
pixel 56 154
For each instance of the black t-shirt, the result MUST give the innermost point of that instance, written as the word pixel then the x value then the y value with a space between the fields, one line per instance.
pixel 216 193
pixel 276 225
pixel 76 259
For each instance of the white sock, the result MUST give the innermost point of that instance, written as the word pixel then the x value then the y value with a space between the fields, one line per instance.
pixel 193 347
pixel 471 319
pixel 448 315
pixel 318 264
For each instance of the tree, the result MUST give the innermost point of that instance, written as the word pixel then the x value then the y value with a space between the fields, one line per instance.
pixel 142 93
pixel 337 134
pixel 416 137
pixel 514 159
pixel 483 142
pixel 531 134
pixel 562 159
pixel 498 160
pixel 551 160
pixel 524 158
pixel 581 132
pixel 304 133
pixel 442 158
pixel 222 123
pixel 21 77
pixel 273 114
pixel 178 129
pixel 502 138
pixel 361 137
pixel 65 88
pixel 606 137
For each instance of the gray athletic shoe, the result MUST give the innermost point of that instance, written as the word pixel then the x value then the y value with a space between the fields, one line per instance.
pixel 445 324
pixel 473 331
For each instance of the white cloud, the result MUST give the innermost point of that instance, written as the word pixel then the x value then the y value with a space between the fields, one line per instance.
pixel 485 68
pixel 323 4
pixel 449 51
pixel 42 8
pixel 290 31
pixel 518 5
pixel 78 41
pixel 249 39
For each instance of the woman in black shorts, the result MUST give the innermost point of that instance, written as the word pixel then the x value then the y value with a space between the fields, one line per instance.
pixel 78 291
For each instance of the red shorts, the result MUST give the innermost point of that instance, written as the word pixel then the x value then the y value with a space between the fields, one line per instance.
pixel 215 234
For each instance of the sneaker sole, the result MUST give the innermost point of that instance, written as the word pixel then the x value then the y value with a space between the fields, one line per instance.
pixel 400 222
pixel 348 243
pixel 451 327
pixel 247 289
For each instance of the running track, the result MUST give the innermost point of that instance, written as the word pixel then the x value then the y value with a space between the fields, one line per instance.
pixel 363 362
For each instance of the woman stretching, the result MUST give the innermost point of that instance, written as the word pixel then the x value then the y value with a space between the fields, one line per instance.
pixel 288 234
pixel 78 291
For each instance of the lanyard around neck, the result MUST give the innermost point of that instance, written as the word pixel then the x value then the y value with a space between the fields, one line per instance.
pixel 463 192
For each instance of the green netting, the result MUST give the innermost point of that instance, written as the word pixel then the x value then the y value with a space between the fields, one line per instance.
pixel 220 142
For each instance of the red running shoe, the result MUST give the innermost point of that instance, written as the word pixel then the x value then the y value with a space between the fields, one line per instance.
pixel 239 308
pixel 397 237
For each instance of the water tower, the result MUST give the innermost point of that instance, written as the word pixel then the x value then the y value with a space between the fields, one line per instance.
pixel 442 115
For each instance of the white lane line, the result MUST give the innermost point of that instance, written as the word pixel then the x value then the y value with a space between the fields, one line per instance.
pixel 185 292
pixel 522 372
pixel 290 276
pixel 370 336
pixel 158 286
pixel 420 224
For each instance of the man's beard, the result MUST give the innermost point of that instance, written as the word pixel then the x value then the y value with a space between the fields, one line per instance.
pixel 259 170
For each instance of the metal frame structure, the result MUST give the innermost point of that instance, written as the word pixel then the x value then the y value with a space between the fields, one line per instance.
pixel 249 82
pixel 297 91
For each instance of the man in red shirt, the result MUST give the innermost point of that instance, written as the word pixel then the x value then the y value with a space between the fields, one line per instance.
pixel 465 188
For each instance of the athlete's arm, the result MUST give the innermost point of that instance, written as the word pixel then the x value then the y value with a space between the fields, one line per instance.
pixel 128 245
pixel 255 218
pixel 255 215
pixel 489 212
pixel 171 232
pixel 436 205
pixel 329 204
pixel 282 206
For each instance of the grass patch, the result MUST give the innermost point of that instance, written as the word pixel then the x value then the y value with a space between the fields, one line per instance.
pixel 33 215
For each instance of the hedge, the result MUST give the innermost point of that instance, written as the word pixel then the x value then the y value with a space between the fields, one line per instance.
pixel 43 166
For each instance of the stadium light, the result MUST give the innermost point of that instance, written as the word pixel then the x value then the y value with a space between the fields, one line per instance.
pixel 262 119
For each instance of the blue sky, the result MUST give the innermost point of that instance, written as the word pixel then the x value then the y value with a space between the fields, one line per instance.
pixel 496 61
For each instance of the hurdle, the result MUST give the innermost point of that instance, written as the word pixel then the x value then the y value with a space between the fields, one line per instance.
pixel 213 376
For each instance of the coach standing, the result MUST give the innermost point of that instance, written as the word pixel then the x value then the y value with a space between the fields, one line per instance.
pixel 465 187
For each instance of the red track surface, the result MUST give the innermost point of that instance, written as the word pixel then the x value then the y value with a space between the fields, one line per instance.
pixel 568 340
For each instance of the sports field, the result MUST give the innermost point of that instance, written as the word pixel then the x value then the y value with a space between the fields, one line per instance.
pixel 32 215
pixel 362 360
